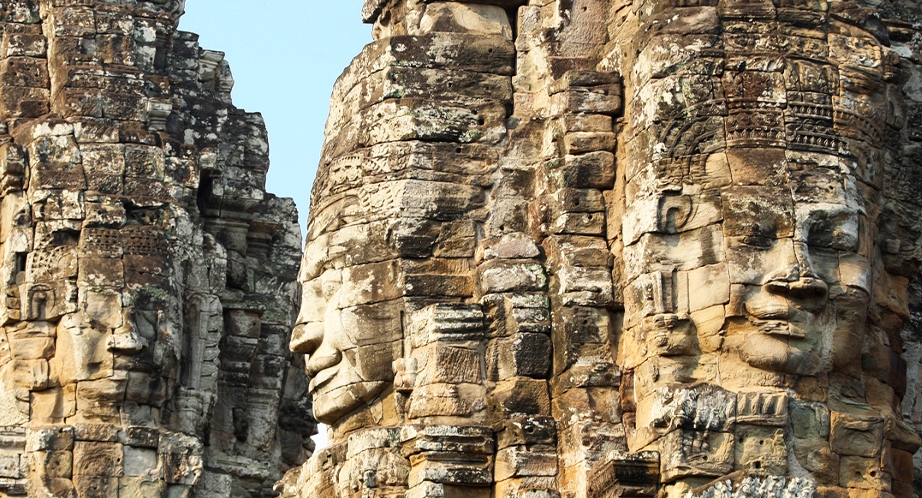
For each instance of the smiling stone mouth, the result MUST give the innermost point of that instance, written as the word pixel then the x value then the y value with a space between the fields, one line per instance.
pixel 780 313
pixel 778 327
pixel 777 310
pixel 322 378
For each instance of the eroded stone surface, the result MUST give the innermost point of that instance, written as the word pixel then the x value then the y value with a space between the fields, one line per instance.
pixel 147 277
pixel 612 248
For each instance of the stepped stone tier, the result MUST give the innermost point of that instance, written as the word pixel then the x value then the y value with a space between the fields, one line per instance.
pixel 602 248
pixel 147 279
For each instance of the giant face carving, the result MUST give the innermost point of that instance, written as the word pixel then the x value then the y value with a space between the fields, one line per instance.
pixel 799 273
pixel 769 190
pixel 775 276
pixel 350 319
pixel 104 324
pixel 745 254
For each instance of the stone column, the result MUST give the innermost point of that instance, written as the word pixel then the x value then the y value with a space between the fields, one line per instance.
pixel 118 140
pixel 754 154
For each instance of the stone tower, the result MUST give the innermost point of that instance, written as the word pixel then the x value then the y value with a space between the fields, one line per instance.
pixel 600 248
pixel 147 278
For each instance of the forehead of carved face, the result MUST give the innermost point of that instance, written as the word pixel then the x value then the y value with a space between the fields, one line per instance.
pixel 350 322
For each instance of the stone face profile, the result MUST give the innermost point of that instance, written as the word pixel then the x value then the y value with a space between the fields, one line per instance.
pixel 556 248
pixel 589 248
pixel 147 278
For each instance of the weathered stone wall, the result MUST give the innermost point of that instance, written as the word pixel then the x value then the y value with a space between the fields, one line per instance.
pixel 147 277
pixel 613 248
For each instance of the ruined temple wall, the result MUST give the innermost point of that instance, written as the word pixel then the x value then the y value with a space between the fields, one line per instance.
pixel 147 276
pixel 466 155
pixel 903 20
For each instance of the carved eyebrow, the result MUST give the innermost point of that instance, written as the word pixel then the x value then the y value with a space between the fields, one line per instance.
pixel 320 266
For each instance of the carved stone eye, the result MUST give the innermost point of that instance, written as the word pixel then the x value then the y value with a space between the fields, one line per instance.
pixel 760 233
pixel 757 240
pixel 833 230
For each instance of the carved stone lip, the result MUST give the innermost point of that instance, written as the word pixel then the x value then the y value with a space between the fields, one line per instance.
pixel 780 328
pixel 774 314
pixel 771 327
pixel 322 378
pixel 771 312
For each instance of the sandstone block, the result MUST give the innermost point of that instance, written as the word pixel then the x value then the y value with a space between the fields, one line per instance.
pixel 762 408
pixel 761 449
pixel 466 18
pixel 587 123
pixel 687 452
pixel 448 365
pixel 509 275
pixel 529 430
pixel 527 355
pixel 510 246
pixel 442 400
pixel 850 435
pixel 817 457
pixel 591 170
pixel 98 460
pixel 133 487
pixel 50 439
pixel 862 473
pixel 53 464
pixel 446 323
pixel 581 142
pixel 519 397
pixel 578 251
pixel 577 224
pixel 515 462
pixel 96 487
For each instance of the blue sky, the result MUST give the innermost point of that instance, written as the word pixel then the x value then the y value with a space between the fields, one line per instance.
pixel 285 56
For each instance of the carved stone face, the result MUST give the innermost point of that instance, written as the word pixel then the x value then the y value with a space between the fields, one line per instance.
pixel 73 328
pixel 121 356
pixel 770 271
pixel 799 278
pixel 350 319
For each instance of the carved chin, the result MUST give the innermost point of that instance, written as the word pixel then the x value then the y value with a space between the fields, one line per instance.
pixel 331 404
pixel 767 352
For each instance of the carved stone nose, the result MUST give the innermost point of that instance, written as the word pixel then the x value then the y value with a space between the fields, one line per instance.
pixel 306 338
pixel 322 360
pixel 125 338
